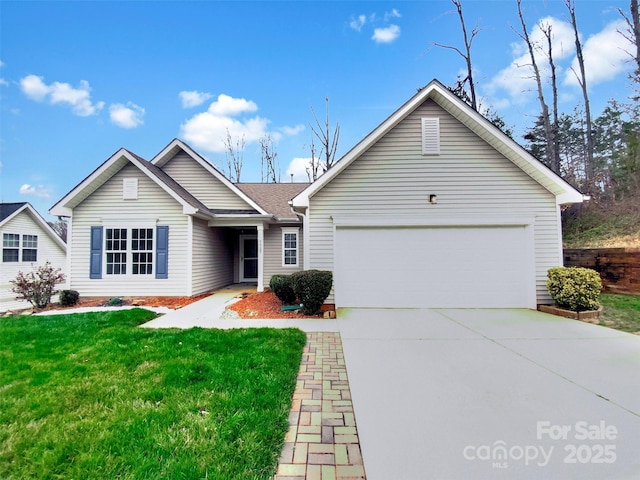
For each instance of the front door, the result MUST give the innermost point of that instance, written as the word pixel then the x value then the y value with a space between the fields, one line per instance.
pixel 248 258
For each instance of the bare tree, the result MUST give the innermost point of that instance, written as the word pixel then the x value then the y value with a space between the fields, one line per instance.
pixel 269 156
pixel 234 156
pixel 61 227
pixel 582 80
pixel 466 55
pixel 555 162
pixel 328 140
pixel 313 167
pixel 632 34
pixel 552 158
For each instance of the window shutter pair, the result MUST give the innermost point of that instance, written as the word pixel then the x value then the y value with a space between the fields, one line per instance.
pixel 162 252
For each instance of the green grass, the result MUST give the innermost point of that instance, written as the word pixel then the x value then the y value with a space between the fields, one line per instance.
pixel 621 312
pixel 91 396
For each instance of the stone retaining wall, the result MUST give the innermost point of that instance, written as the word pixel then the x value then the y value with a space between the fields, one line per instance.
pixel 619 268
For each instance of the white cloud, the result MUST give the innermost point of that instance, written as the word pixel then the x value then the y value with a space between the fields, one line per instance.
pixel 3 82
pixel 229 106
pixel 39 191
pixel 298 167
pixel 605 56
pixel 386 35
pixel 208 130
pixel 33 87
pixel 392 14
pixel 126 116
pixel 193 98
pixel 518 77
pixel 292 131
pixel 79 99
pixel 358 22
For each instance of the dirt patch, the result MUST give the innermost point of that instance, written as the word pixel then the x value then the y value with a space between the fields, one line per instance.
pixel 264 305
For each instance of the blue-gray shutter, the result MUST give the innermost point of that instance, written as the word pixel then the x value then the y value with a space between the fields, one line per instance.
pixel 162 252
pixel 95 264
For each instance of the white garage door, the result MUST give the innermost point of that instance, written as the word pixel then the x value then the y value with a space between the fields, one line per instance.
pixel 435 267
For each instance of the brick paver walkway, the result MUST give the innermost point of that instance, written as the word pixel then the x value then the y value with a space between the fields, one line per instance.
pixel 322 441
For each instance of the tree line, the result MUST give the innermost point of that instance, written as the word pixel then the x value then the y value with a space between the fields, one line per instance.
pixel 601 155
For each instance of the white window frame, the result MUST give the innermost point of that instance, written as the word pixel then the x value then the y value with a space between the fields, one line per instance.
pixel 32 244
pixel 9 246
pixel 289 231
pixel 128 251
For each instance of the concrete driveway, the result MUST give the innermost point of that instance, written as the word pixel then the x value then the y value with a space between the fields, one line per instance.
pixel 482 394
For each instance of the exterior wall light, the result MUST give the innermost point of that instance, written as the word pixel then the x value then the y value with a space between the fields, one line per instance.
pixel 433 198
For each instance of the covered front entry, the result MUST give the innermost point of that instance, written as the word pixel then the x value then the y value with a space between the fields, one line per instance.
pixel 471 266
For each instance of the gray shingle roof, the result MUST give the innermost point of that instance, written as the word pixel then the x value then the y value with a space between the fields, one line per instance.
pixel 8 209
pixel 273 197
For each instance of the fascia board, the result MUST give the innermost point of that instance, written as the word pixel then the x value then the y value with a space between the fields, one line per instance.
pixel 207 166
pixel 46 227
pixel 302 199
pixel 42 223
pixel 62 208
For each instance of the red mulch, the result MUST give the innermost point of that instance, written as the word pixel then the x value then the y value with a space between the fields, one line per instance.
pixel 264 305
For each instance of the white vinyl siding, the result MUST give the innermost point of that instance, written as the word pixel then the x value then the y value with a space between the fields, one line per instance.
pixel 469 177
pixel 273 253
pixel 212 257
pixel 48 250
pixel 202 184
pixel 105 207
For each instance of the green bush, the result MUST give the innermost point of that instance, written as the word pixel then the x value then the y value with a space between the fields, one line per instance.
pixel 574 288
pixel 281 286
pixel 312 287
pixel 69 298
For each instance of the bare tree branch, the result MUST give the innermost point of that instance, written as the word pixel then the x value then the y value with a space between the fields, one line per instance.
pixel 328 140
pixel 234 156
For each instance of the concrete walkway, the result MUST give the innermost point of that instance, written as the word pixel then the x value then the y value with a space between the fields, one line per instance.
pixel 209 313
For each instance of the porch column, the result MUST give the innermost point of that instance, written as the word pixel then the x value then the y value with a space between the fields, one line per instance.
pixel 260 229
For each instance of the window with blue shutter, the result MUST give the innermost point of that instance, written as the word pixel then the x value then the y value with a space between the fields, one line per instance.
pixel 162 252
pixel 95 263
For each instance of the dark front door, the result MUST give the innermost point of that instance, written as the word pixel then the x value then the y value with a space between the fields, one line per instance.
pixel 248 258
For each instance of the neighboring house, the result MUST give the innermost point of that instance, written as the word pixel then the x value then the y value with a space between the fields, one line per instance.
pixel 176 226
pixel 27 243
pixel 434 208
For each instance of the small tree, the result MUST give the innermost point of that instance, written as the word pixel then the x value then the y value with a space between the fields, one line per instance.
pixel 37 287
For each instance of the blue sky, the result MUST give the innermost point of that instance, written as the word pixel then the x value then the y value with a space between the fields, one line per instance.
pixel 79 80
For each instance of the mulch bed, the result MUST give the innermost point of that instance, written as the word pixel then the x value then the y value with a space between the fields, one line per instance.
pixel 264 305
pixel 169 302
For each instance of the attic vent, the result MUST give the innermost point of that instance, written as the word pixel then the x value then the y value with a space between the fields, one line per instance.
pixel 129 188
pixel 431 136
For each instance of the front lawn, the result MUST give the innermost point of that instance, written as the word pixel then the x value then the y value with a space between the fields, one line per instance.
pixel 92 396
pixel 621 312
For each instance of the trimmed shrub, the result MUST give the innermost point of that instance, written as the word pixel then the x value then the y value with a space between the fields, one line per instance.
pixel 281 286
pixel 574 288
pixel 69 298
pixel 312 287
pixel 37 287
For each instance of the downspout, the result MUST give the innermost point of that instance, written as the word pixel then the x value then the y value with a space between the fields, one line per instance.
pixel 305 236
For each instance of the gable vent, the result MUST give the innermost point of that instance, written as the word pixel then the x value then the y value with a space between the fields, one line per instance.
pixel 129 188
pixel 430 136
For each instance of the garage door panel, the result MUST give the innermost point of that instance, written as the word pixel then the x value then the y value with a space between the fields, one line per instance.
pixel 444 267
